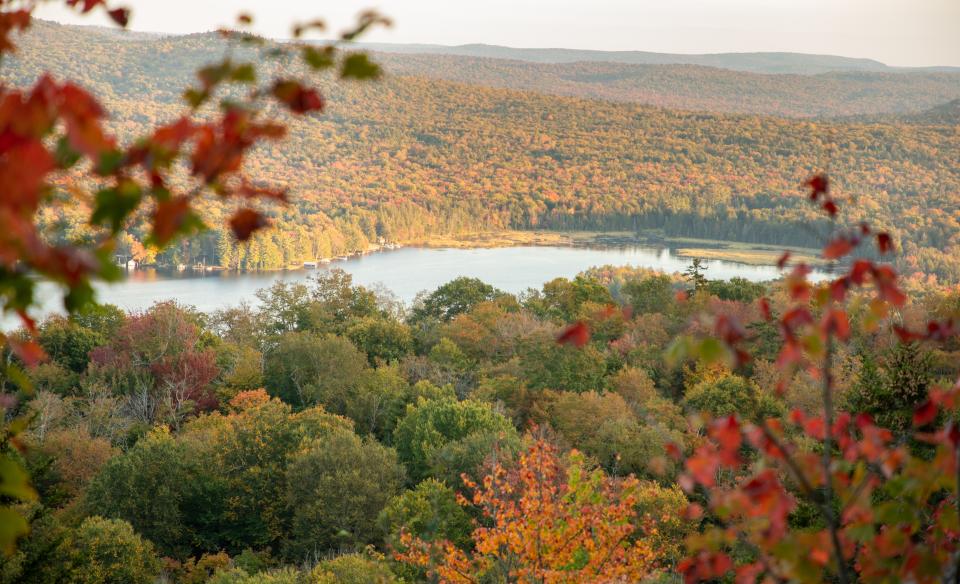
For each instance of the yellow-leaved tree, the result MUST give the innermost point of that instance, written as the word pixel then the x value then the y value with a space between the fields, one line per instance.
pixel 545 520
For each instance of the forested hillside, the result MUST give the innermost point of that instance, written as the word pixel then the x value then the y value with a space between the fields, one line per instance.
pixel 411 156
pixel 698 87
pixel 620 426
pixel 152 435
pixel 757 62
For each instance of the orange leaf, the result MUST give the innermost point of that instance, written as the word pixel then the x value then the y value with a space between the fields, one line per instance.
pixel 254 192
pixel 782 262
pixel 28 322
pixel 22 173
pixel 819 185
pixel 820 556
pixel 10 21
pixel 837 248
pixel 245 222
pixel 836 321
pixel 765 309
pixel 925 414
pixel 169 218
pixel 726 432
pixel 884 243
pixel 27 351
pixel 120 15
pixel 300 100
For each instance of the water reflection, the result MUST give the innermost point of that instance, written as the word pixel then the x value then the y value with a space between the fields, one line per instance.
pixel 408 271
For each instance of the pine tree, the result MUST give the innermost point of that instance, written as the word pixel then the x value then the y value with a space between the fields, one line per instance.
pixel 694 274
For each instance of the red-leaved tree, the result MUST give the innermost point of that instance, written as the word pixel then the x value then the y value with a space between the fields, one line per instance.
pixel 884 510
pixel 54 131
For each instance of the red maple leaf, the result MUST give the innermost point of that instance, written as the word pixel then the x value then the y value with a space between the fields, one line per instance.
pixel 245 222
pixel 577 334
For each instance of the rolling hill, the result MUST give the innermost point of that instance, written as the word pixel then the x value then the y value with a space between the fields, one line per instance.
pixel 412 156
pixel 759 62
pixel 697 87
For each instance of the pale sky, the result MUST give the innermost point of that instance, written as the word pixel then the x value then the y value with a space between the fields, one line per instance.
pixel 897 32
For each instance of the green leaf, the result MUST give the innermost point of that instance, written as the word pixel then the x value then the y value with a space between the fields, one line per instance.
pixel 196 97
pixel 318 58
pixel 579 560
pixel 677 352
pixel 160 193
pixel 114 205
pixel 12 527
pixel 16 288
pixel 212 75
pixel 109 271
pixel 244 73
pixel 109 162
pixel 14 480
pixel 229 104
pixel 892 513
pixel 359 66
pixel 861 533
pixel 15 374
pixel 65 155
pixel 80 295
pixel 711 351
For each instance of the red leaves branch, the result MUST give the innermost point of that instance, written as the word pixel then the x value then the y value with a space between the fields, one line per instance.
pixel 299 99
pixel 751 503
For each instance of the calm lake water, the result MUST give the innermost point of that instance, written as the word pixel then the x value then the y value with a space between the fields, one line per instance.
pixel 406 272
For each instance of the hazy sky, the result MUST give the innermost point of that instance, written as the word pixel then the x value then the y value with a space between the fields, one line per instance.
pixel 897 32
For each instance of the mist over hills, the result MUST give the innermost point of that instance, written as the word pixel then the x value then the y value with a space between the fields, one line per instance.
pixel 769 62
pixel 754 62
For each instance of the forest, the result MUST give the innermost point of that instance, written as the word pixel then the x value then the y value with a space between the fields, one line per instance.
pixel 409 157
pixel 750 62
pixel 309 438
pixel 619 426
pixel 698 87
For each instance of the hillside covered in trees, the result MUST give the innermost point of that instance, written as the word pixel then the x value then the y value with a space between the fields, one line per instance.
pixel 754 62
pixel 620 426
pixel 412 156
pixel 698 87
pixel 305 441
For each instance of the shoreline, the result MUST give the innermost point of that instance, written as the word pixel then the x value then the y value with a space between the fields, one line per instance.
pixel 686 247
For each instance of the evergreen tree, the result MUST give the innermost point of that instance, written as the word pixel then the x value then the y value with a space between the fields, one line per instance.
pixel 694 274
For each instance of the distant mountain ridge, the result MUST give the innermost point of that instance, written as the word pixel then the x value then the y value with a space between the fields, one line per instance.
pixel 769 62
pixel 430 150
pixel 696 87
pixel 686 87
pixel 755 62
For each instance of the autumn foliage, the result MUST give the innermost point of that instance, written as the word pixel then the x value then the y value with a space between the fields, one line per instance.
pixel 885 509
pixel 55 130
pixel 802 498
pixel 546 520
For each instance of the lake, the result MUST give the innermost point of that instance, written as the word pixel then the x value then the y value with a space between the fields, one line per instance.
pixel 406 272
